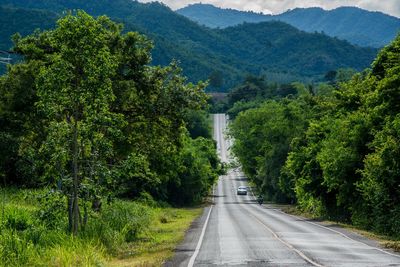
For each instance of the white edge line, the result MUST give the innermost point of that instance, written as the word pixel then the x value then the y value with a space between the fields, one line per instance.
pixel 340 233
pixel 203 231
pixel 196 252
pixel 334 231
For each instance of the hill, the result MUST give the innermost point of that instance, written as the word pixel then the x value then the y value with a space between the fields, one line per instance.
pixel 25 21
pixel 281 47
pixel 358 26
pixel 275 49
pixel 214 17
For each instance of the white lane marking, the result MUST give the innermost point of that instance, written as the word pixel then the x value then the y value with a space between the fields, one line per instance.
pixel 332 230
pixel 196 252
pixel 340 233
pixel 299 252
pixel 276 236
pixel 290 246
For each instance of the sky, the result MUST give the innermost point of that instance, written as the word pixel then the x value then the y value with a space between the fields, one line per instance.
pixel 391 7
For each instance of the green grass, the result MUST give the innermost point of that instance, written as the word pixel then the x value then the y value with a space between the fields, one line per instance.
pixel 33 232
pixel 157 243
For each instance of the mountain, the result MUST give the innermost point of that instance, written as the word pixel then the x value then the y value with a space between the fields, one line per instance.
pixel 358 26
pixel 214 17
pixel 275 49
pixel 174 36
pixel 281 47
pixel 25 21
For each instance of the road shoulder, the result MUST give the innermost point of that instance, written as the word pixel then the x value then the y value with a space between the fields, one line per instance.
pixel 185 250
pixel 367 237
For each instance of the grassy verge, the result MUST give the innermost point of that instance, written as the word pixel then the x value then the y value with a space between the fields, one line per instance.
pixel 157 243
pixel 384 240
pixel 124 233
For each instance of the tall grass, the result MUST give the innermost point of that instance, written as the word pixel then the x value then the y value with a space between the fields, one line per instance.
pixel 32 234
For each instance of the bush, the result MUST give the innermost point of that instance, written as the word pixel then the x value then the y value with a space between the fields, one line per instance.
pixel 52 210
pixel 128 218
pixel 118 223
pixel 147 199
pixel 167 216
pixel 17 218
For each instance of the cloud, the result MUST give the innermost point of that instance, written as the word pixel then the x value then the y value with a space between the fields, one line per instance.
pixel 391 7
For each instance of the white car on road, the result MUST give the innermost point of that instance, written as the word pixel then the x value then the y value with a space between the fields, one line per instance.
pixel 242 190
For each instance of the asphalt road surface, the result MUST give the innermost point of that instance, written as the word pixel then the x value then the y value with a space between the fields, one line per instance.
pixel 236 231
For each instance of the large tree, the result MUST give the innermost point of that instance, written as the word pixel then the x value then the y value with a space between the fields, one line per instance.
pixel 104 119
pixel 75 94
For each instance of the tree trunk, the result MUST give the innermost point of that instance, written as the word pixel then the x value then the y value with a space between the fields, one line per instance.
pixel 85 216
pixel 69 204
pixel 75 188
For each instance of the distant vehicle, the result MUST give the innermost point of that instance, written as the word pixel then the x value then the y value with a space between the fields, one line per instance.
pixel 242 190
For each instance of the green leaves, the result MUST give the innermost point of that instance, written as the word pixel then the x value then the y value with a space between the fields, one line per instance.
pixel 342 161
pixel 380 183
pixel 197 168
pixel 262 142
pixel 90 116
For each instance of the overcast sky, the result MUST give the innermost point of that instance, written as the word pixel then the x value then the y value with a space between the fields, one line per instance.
pixel 391 7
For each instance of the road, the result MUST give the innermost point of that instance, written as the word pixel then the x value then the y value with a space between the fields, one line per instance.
pixel 236 231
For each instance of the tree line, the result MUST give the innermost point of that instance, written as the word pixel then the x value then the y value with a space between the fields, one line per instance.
pixel 85 114
pixel 333 149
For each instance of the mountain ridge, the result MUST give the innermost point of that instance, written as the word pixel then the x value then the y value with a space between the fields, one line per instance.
pixel 356 25
pixel 275 49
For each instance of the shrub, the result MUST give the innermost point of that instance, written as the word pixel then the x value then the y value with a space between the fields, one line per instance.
pixel 18 218
pixel 128 218
pixel 52 212
pixel 118 223
pixel 147 199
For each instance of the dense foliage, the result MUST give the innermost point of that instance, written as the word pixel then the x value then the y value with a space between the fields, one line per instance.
pixel 85 113
pixel 358 26
pixel 277 50
pixel 252 92
pixel 336 154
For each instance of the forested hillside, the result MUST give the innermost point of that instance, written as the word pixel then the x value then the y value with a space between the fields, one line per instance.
pixel 332 149
pixel 24 21
pixel 277 46
pixel 358 26
pixel 226 57
pixel 214 17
